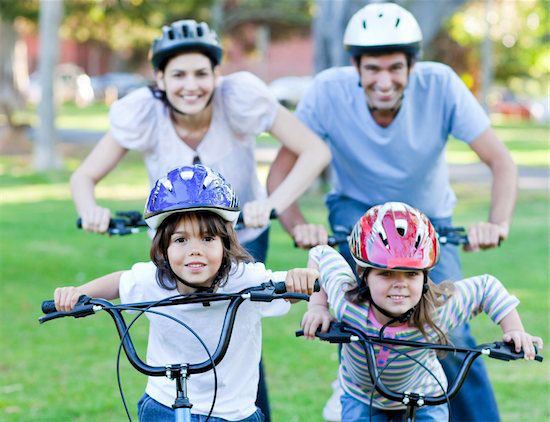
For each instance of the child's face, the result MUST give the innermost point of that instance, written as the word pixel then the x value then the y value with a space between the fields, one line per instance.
pixel 394 291
pixel 188 81
pixel 194 256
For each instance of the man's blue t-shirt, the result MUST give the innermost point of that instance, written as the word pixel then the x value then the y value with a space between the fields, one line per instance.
pixel 406 160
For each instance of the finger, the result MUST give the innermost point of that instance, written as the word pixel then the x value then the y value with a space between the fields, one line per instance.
pixel 326 324
pixel 104 220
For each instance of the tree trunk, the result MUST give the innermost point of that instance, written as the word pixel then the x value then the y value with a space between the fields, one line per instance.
pixel 44 152
pixel 10 99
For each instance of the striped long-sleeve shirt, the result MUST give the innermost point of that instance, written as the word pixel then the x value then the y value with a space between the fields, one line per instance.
pixel 472 295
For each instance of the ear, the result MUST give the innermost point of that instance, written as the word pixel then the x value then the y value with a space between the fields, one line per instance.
pixel 217 73
pixel 159 77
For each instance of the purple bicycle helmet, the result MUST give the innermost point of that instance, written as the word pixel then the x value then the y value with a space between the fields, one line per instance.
pixel 191 188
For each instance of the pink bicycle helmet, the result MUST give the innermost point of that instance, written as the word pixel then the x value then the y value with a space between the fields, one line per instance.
pixel 394 236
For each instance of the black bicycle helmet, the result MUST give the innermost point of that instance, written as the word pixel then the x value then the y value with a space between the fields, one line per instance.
pixel 185 35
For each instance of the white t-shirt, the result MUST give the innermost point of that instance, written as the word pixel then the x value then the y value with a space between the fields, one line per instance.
pixel 243 107
pixel 170 343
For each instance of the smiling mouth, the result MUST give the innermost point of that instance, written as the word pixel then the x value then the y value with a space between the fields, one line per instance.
pixel 397 297
pixel 195 265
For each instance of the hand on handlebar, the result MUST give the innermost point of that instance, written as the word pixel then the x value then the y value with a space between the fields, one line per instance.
pixel 65 298
pixel 523 341
pixel 307 236
pixel 257 213
pixel 485 235
pixel 317 318
pixel 301 280
pixel 96 219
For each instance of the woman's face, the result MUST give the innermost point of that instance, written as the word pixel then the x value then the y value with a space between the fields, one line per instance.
pixel 194 256
pixel 394 291
pixel 189 81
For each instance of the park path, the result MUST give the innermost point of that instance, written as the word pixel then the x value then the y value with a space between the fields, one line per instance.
pixel 530 178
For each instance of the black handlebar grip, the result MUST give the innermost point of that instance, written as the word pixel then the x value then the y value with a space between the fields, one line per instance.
pixel 280 287
pixel 48 306
pixel 79 223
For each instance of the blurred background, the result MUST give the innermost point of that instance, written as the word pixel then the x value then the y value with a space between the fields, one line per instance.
pixel 64 62
pixel 96 51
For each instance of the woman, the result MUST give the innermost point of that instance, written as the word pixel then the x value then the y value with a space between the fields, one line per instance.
pixel 194 115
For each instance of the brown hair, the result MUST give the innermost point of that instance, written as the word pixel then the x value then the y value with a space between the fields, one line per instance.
pixel 424 311
pixel 211 224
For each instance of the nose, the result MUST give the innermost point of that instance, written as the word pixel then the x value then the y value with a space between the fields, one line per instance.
pixel 194 247
pixel 190 83
pixel 384 81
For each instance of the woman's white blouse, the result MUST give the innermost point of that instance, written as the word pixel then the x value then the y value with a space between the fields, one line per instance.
pixel 243 107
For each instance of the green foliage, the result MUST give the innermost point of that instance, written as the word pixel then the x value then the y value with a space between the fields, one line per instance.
pixel 519 31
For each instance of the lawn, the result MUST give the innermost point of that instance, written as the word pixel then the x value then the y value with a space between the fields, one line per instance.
pixel 65 370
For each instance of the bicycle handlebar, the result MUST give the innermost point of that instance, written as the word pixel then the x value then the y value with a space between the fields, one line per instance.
pixel 266 292
pixel 131 222
pixel 341 333
pixel 451 235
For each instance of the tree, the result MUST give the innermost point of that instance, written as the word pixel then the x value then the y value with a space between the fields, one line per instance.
pixel 332 16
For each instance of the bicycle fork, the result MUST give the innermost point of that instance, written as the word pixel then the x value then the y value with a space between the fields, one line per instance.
pixel 182 406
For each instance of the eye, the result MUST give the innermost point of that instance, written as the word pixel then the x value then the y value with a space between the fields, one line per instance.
pixel 209 238
pixel 413 274
pixel 179 239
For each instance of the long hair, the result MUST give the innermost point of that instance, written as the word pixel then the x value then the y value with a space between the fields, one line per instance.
pixel 210 224
pixel 424 312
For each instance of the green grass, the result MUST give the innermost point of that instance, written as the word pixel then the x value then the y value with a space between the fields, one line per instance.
pixel 65 370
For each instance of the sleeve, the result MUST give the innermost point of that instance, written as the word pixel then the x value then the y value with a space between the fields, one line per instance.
pixel 336 276
pixel 310 109
pixel 135 283
pixel 248 104
pixel 477 294
pixel 467 119
pixel 133 120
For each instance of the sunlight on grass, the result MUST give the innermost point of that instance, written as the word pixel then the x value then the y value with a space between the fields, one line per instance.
pixel 537 157
pixel 60 191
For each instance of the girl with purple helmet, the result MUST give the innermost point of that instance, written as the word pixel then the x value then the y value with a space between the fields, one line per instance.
pixel 195 248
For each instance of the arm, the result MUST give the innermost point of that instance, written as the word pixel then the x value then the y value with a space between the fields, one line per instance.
pixel 305 235
pixel 513 331
pixel 105 287
pixel 103 158
pixel 317 314
pixel 313 156
pixel 493 152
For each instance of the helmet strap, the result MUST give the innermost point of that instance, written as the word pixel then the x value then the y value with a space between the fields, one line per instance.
pixel 393 318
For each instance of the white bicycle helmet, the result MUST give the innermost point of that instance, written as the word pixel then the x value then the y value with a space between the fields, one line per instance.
pixel 381 27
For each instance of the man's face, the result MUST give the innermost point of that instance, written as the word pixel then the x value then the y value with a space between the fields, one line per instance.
pixel 384 79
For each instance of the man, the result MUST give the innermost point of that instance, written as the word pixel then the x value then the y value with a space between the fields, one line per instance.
pixel 387 120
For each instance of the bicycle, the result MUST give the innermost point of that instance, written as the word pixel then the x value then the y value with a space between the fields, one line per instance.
pixel 341 333
pixel 450 235
pixel 86 306
pixel 132 222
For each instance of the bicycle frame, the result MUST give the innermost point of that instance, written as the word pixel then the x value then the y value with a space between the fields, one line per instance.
pixel 266 292
pixel 342 333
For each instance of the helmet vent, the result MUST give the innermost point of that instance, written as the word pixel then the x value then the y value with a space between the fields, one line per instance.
pixel 417 242
pixel 170 34
pixel 199 31
pixel 401 231
pixel 185 31
pixel 384 240
pixel 364 24
pixel 397 22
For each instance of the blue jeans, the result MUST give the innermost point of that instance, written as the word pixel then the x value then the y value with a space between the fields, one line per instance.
pixel 354 410
pixel 475 401
pixel 258 249
pixel 150 410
